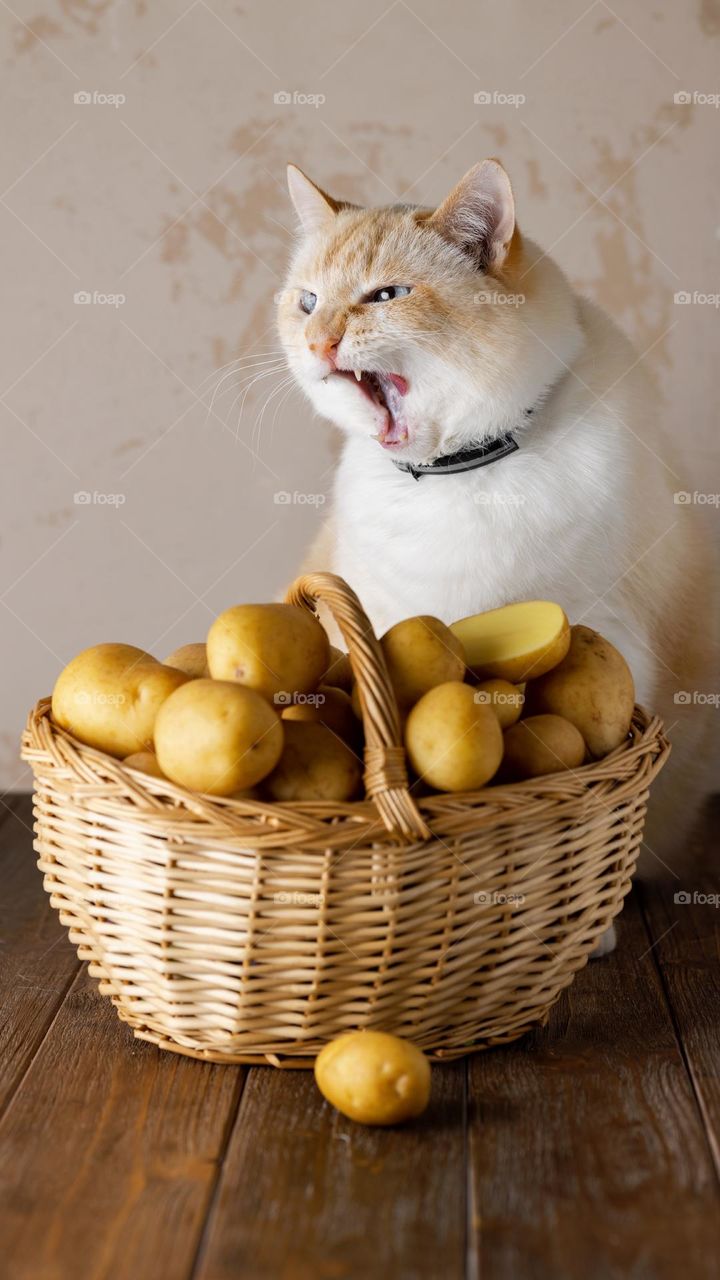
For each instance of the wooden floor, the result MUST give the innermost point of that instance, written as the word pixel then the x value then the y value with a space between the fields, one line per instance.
pixel 590 1149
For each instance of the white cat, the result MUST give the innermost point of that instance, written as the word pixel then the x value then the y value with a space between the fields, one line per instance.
pixel 428 335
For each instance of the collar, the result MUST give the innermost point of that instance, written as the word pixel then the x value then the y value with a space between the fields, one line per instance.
pixel 464 459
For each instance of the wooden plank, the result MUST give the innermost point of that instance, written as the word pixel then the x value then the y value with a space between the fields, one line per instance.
pixel 683 919
pixel 587 1151
pixel 307 1195
pixel 37 962
pixel 109 1152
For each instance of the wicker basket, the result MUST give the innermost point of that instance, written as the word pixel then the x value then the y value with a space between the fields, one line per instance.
pixel 247 932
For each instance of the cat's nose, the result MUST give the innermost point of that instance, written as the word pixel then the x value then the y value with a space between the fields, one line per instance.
pixel 326 348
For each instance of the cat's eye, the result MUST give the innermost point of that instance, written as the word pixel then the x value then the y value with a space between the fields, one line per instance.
pixel 388 292
pixel 307 301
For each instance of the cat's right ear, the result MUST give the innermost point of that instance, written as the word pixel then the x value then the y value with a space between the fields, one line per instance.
pixel 315 208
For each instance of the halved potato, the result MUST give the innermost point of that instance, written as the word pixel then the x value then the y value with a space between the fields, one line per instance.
pixel 517 642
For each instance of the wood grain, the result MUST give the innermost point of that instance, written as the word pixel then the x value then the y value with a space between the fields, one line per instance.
pixel 307 1195
pixel 687 951
pixel 109 1152
pixel 37 962
pixel 587 1150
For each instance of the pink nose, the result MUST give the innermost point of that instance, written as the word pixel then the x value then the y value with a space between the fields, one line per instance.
pixel 326 348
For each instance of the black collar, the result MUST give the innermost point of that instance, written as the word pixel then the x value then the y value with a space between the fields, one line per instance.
pixel 464 459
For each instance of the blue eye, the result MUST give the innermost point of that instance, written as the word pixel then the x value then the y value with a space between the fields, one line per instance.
pixel 307 301
pixel 388 292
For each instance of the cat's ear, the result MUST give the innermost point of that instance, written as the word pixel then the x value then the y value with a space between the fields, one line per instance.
pixel 479 215
pixel 315 208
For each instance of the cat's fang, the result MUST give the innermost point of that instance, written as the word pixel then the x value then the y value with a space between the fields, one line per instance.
pixel 358 374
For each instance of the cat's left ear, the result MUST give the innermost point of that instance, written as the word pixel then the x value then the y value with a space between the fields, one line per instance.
pixel 479 215
pixel 314 207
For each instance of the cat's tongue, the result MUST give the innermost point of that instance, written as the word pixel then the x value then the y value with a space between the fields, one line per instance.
pixel 394 430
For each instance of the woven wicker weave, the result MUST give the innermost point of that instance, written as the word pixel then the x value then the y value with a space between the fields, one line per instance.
pixel 247 932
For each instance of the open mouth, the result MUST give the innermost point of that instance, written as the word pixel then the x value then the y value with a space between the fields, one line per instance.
pixel 386 392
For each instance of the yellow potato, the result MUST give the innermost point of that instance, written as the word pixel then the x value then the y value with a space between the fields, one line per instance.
pixel 190 658
pixel 592 688
pixel 421 653
pixel 540 745
pixel 275 649
pixel 109 696
pixel 146 762
pixel 517 642
pixel 373 1077
pixel 505 699
pixel 328 706
pixel 217 737
pixel 339 673
pixel 315 765
pixel 454 742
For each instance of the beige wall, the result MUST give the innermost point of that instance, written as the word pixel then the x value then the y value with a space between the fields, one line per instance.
pixel 176 199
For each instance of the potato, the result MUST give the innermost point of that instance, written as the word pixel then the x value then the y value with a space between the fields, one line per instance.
pixel 373 1077
pixel 339 673
pixel 146 762
pixel 217 737
pixel 190 658
pixel 505 699
pixel 592 688
pixel 109 696
pixel 517 642
pixel 329 706
pixel 315 765
pixel 453 741
pixel 272 648
pixel 540 745
pixel 421 653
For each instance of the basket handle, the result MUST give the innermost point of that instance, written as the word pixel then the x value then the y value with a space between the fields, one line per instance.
pixel 386 779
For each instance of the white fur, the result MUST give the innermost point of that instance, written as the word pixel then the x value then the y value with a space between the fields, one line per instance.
pixel 583 513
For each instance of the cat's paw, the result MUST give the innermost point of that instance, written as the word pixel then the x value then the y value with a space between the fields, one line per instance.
pixel 607 943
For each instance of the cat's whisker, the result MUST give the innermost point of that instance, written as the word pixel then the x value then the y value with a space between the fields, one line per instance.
pixel 242 396
pixel 247 374
pixel 257 426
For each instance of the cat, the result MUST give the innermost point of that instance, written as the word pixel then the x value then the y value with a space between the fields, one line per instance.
pixel 431 335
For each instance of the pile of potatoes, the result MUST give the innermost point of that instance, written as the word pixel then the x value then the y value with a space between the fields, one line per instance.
pixel 267 709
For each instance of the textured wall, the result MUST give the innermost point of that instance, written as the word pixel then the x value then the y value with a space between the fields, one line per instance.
pixel 175 199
